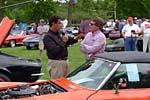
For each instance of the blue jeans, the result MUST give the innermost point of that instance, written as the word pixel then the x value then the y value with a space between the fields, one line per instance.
pixel 130 43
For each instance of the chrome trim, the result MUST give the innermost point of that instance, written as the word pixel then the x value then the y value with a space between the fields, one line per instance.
pixel 38 74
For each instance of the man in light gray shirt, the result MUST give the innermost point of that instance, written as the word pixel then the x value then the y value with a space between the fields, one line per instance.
pixel 41 29
pixel 145 30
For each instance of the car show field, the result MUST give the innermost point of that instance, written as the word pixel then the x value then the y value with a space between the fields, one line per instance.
pixel 108 76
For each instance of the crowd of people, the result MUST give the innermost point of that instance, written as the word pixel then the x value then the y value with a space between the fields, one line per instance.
pixel 130 29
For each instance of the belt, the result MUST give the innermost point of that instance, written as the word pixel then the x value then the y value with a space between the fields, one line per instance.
pixel 64 58
pixel 132 37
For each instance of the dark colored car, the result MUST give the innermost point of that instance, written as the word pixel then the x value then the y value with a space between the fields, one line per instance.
pixel 115 45
pixel 19 69
pixel 108 76
pixel 14 68
pixel 31 42
pixel 118 45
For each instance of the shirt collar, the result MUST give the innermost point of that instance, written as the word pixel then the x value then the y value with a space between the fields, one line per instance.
pixel 96 32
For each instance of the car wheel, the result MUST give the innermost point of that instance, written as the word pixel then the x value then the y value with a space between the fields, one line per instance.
pixel 12 43
pixel 28 47
pixel 4 78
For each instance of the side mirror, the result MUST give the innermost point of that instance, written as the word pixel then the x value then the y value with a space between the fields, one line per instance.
pixel 122 84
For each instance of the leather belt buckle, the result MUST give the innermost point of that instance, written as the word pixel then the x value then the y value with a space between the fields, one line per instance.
pixel 65 58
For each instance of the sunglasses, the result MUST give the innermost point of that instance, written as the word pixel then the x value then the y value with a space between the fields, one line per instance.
pixel 92 24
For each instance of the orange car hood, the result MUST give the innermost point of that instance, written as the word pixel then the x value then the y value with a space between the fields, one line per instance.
pixel 76 92
pixel 68 85
pixel 5 26
pixel 95 95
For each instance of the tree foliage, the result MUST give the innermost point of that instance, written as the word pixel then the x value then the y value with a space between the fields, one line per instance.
pixel 43 9
pixel 136 8
pixel 84 9
pixel 31 12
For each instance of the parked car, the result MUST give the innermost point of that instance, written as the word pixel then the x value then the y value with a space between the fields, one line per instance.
pixel 114 34
pixel 115 45
pixel 72 30
pixel 13 68
pixel 108 76
pixel 16 36
pixel 109 32
pixel 31 42
pixel 118 45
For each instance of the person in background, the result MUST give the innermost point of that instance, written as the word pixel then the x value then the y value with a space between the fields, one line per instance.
pixel 84 27
pixel 31 30
pixel 116 27
pixel 130 33
pixel 145 30
pixel 135 20
pixel 56 47
pixel 95 41
pixel 41 30
pixel 121 24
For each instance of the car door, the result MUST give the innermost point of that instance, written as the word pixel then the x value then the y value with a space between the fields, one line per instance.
pixel 130 81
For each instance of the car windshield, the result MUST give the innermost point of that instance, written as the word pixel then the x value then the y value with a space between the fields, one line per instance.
pixel 93 73
pixel 117 41
pixel 15 32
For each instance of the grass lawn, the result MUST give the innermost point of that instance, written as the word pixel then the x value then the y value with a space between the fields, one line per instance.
pixel 76 58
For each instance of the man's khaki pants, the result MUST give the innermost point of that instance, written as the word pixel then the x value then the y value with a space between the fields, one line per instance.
pixel 58 68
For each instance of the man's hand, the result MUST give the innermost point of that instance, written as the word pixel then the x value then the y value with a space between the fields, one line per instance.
pixel 43 32
pixel 65 38
pixel 79 36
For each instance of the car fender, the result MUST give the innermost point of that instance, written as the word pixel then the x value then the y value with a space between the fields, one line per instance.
pixel 5 71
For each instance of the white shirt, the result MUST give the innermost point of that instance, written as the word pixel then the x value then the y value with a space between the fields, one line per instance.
pixel 145 27
pixel 128 28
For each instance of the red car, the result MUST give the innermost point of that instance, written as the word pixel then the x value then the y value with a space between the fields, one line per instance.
pixel 109 76
pixel 16 36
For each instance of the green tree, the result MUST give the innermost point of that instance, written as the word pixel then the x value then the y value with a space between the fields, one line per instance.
pixel 138 8
pixel 43 9
pixel 84 9
pixel 30 12
pixel 1 11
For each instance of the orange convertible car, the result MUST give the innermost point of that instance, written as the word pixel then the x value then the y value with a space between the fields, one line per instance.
pixel 109 76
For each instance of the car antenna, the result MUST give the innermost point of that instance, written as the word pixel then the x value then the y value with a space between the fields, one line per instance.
pixel 117 88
